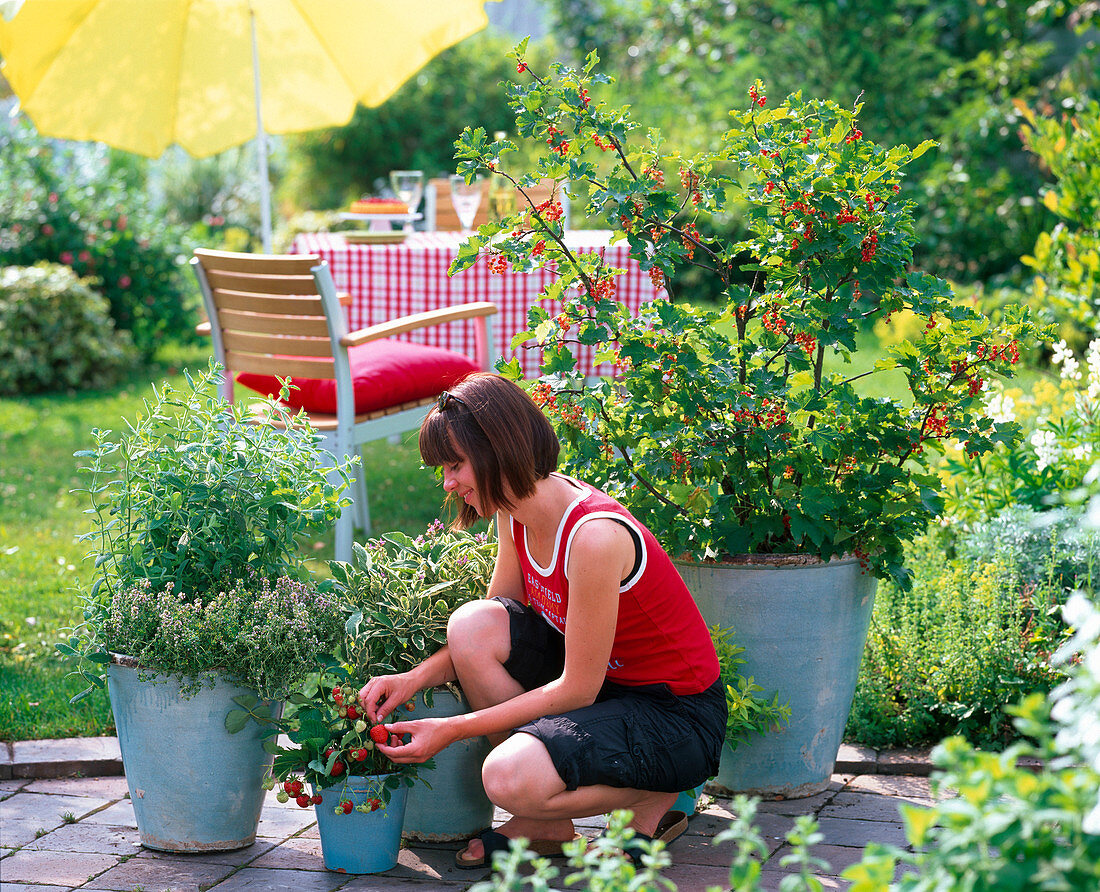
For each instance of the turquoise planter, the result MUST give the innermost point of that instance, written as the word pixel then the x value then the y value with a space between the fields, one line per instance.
pixel 194 786
pixel 688 801
pixel 803 624
pixel 360 842
pixel 456 806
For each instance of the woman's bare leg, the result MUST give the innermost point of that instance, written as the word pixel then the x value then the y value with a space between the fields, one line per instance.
pixel 479 642
pixel 520 777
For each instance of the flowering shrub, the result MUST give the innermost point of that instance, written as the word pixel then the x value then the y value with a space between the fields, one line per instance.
pixel 1060 421
pixel 744 429
pixel 270 633
pixel 194 500
pixel 950 655
pixel 102 231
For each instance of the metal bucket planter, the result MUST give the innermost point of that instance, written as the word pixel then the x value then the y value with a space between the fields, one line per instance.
pixel 194 786
pixel 360 842
pixel 456 806
pixel 803 623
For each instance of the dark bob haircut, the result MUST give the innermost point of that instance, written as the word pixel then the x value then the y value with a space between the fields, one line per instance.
pixel 509 443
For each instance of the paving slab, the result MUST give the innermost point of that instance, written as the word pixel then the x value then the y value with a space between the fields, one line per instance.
pixel 24 887
pixel 910 762
pixel 17 832
pixel 848 832
pixel 869 806
pixel 105 787
pixel 11 787
pixel 912 788
pixel 48 809
pixel 119 814
pixel 100 839
pixel 281 823
pixel 164 875
pixel 235 858
pixel 856 759
pixel 87 756
pixel 296 853
pixel 770 881
pixel 252 879
pixel 55 868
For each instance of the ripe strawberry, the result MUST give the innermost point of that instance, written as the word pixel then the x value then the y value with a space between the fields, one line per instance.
pixel 375 804
pixel 379 734
pixel 316 799
pixel 302 800
pixel 347 806
pixel 353 713
pixel 360 755
pixel 288 787
pixel 337 768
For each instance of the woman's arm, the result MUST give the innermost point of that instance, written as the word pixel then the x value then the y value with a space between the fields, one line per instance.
pixel 384 693
pixel 507 581
pixel 600 557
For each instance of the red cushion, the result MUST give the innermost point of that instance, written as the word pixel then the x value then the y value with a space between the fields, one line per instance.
pixel 383 373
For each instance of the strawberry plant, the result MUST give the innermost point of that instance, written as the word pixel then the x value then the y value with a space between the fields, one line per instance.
pixel 747 428
pixel 332 742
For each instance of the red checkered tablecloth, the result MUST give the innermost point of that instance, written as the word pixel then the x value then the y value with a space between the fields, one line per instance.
pixel 387 281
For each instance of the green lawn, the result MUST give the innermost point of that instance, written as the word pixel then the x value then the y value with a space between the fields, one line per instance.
pixel 42 567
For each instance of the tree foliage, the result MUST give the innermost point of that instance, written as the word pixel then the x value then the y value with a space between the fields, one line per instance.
pixel 923 67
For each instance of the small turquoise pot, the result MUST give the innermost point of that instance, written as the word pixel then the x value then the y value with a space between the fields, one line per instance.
pixel 803 624
pixel 688 801
pixel 455 807
pixel 194 786
pixel 360 842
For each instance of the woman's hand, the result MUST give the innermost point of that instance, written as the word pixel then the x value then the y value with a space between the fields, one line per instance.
pixel 384 693
pixel 426 738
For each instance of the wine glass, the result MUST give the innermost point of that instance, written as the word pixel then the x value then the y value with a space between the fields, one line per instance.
pixel 408 185
pixel 466 197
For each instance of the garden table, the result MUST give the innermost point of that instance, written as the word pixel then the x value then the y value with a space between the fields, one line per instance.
pixel 390 280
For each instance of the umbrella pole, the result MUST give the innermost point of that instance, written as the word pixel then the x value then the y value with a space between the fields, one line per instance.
pixel 261 144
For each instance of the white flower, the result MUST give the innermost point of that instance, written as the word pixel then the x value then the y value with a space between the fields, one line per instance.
pixel 1064 357
pixel 1046 447
pixel 1000 407
pixel 1082 452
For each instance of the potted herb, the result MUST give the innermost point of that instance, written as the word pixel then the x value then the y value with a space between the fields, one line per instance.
pixel 750 434
pixel 333 765
pixel 201 596
pixel 401 591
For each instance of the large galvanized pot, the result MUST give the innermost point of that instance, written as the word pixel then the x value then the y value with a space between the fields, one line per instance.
pixel 360 842
pixel 803 623
pixel 194 786
pixel 456 806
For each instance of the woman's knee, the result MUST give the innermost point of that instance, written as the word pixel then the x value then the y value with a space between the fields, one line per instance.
pixel 479 628
pixel 520 772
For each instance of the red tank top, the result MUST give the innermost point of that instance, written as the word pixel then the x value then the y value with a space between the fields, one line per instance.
pixel 660 636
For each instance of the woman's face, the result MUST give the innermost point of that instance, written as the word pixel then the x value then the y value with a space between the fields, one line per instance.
pixel 459 480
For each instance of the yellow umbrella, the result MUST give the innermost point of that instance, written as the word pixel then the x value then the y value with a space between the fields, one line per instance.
pixel 207 75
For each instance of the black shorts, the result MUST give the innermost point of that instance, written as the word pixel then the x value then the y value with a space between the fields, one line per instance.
pixel 640 737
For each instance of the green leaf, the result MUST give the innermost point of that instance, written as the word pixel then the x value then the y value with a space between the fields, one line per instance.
pixel 235 720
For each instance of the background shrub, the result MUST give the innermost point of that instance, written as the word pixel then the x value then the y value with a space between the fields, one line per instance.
pixel 1050 545
pixel 57 332
pixel 952 654
pixel 54 207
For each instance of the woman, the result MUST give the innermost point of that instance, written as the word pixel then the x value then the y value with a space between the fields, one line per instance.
pixel 588 665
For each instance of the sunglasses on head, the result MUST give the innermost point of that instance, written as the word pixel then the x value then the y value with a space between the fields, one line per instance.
pixel 445 399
